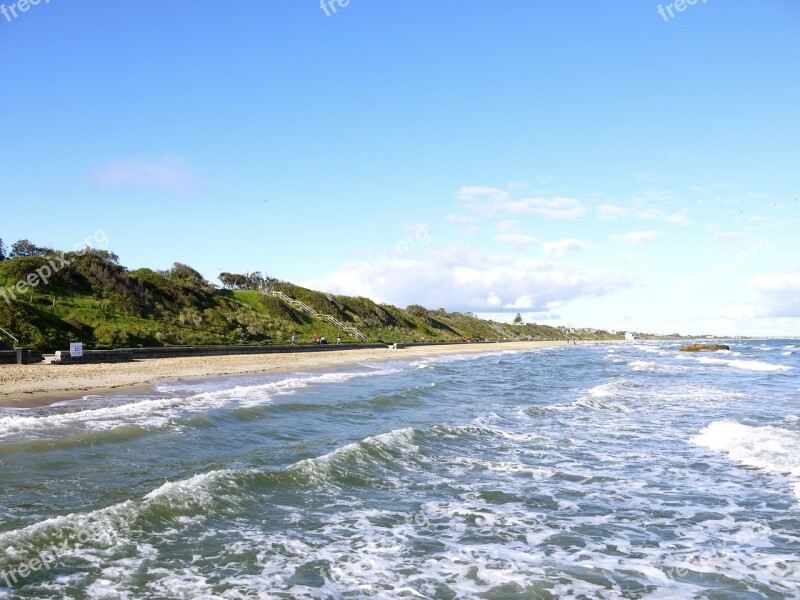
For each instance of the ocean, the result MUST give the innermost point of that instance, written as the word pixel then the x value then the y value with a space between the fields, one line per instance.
pixel 603 471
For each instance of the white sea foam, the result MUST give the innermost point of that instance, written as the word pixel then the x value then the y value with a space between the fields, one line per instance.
pixel 772 449
pixel 111 525
pixel 319 467
pixel 605 390
pixel 747 365
pixel 643 365
pixel 163 412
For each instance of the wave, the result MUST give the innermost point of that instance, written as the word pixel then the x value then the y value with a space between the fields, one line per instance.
pixel 771 449
pixel 112 527
pixel 158 413
pixel 122 433
pixel 149 412
pixel 199 495
pixel 747 365
pixel 354 464
pixel 643 365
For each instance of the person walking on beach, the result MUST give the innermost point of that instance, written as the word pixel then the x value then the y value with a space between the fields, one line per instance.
pixel 338 339
pixel 294 340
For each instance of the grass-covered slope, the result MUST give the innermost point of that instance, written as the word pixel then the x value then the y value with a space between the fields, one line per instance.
pixel 99 302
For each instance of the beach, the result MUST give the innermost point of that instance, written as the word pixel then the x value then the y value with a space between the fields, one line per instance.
pixel 42 384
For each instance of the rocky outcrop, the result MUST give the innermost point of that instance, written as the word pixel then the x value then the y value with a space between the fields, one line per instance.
pixel 704 347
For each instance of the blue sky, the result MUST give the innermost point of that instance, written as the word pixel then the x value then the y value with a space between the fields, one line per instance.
pixel 584 163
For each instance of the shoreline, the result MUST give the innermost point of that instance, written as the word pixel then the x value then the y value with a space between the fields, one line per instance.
pixel 41 385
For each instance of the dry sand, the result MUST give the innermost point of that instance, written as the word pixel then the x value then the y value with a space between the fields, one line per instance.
pixel 42 384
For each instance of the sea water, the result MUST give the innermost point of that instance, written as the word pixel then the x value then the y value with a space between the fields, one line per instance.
pixel 606 471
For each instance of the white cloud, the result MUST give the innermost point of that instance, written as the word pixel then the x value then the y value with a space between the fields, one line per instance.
pixel 459 278
pixel 561 247
pixel 650 214
pixel 555 208
pixel 738 311
pixel 481 199
pixel 489 201
pixel 785 282
pixel 465 223
pixel 610 211
pixel 654 197
pixel 780 294
pixel 508 226
pixel 637 238
pixel 517 239
pixel 678 219
pixel 164 173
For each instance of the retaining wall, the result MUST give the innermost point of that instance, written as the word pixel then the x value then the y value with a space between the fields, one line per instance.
pixel 128 354
pixel 9 357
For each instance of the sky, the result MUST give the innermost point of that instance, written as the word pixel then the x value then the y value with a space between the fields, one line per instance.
pixel 582 163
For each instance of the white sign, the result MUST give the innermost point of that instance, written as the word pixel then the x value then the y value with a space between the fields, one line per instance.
pixel 76 349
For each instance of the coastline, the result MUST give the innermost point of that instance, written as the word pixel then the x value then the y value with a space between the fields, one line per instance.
pixel 40 385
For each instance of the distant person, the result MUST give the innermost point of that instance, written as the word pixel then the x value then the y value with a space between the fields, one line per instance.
pixel 338 339
pixel 294 340
pixel 317 340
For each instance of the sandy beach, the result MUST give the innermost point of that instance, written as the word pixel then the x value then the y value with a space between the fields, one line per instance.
pixel 33 385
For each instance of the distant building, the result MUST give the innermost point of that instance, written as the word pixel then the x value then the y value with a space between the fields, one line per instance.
pixel 630 335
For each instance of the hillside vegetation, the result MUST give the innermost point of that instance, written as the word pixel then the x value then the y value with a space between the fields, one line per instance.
pixel 93 299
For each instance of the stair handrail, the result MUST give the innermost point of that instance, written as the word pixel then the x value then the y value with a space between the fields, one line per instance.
pixel 329 318
pixel 16 341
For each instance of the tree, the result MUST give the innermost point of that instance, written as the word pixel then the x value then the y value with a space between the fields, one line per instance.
pixel 256 282
pixel 2 251
pixel 518 319
pixel 188 274
pixel 26 248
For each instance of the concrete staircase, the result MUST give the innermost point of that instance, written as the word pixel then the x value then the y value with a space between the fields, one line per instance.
pixel 305 308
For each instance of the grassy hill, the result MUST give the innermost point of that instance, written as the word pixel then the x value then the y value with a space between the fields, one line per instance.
pixel 95 300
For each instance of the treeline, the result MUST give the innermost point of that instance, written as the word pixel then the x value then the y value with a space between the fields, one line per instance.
pixel 87 295
pixel 23 248
pixel 256 281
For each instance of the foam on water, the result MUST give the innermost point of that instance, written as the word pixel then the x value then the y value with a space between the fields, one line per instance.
pixel 96 537
pixel 643 365
pixel 772 449
pixel 161 413
pixel 747 365
pixel 385 446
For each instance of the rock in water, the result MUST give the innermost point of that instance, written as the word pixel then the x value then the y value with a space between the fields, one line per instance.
pixel 704 347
